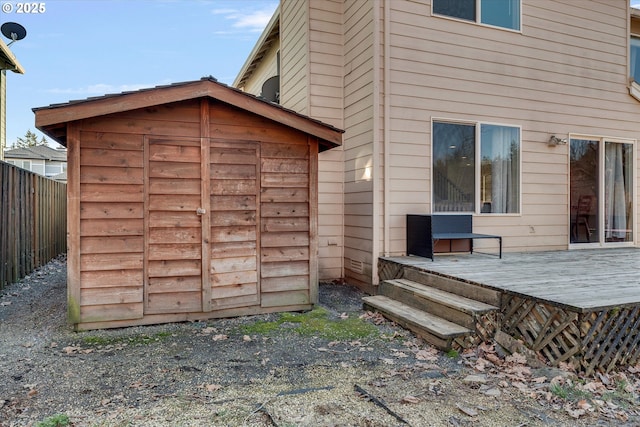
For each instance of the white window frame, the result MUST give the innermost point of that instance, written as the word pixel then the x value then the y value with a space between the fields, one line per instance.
pixel 601 243
pixel 478 20
pixel 478 171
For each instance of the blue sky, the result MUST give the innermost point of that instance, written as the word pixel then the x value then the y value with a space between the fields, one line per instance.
pixel 82 48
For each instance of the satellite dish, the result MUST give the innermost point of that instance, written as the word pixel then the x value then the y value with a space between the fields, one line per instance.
pixel 271 89
pixel 13 31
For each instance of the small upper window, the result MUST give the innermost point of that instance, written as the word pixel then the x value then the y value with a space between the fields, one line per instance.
pixel 499 13
pixel 635 59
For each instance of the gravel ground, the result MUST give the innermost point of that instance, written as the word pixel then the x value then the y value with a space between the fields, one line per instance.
pixel 271 370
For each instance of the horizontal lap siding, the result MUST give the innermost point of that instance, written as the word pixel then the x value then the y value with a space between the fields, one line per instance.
pixel 565 73
pixel 234 224
pixel 111 225
pixel 284 229
pixel 284 209
pixel 359 122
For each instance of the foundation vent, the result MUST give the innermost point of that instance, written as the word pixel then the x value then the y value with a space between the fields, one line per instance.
pixel 356 266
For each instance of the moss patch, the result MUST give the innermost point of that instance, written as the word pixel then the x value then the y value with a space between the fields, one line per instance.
pixel 316 322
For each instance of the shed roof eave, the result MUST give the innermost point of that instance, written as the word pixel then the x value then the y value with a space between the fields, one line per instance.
pixel 52 120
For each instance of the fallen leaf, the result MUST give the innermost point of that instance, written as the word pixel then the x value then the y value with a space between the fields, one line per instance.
pixel 575 413
pixel 388 361
pixel 410 399
pixel 208 330
pixel 246 338
pixel 427 355
pixel 516 358
pixel 220 337
pixel 583 404
pixel 32 392
pixel 344 316
pixel 466 410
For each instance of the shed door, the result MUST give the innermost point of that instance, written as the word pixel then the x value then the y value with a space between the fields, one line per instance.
pixel 234 205
pixel 173 226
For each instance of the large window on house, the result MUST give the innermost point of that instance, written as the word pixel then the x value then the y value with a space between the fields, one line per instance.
pixel 476 168
pixel 499 13
pixel 635 59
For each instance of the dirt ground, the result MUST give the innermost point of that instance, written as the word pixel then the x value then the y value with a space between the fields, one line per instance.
pixel 334 366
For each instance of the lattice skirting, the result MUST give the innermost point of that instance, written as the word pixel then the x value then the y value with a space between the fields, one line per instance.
pixel 390 270
pixel 486 326
pixel 596 341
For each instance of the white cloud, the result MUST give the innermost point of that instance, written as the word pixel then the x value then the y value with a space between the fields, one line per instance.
pixel 254 20
pixel 103 88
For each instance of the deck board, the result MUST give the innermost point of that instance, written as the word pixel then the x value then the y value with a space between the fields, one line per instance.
pixel 584 280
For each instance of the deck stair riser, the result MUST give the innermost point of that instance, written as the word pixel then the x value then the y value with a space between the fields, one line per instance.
pixel 454 308
pixel 458 287
pixel 435 330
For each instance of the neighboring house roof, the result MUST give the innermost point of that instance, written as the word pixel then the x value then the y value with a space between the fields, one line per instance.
pixel 635 13
pixel 62 177
pixel 52 120
pixel 8 60
pixel 39 152
pixel 270 34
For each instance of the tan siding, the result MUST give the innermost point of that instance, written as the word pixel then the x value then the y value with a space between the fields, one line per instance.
pixel 294 56
pixel 358 140
pixel 553 78
pixel 268 68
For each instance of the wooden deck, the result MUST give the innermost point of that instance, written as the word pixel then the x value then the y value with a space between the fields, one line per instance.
pixel 580 280
pixel 580 306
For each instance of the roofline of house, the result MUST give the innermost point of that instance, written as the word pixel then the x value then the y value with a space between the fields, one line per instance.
pixel 8 60
pixel 275 19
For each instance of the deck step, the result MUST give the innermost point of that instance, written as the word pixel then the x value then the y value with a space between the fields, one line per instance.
pixel 433 329
pixel 455 308
pixel 458 287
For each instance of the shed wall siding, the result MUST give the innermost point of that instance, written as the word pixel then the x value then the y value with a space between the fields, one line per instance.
pixel 139 190
pixel 543 79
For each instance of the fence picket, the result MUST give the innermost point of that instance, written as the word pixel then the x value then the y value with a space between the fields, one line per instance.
pixel 33 222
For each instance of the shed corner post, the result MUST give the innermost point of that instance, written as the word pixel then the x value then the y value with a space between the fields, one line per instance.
pixel 313 220
pixel 73 223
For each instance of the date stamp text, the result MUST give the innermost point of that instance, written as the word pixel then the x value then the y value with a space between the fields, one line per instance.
pixel 24 7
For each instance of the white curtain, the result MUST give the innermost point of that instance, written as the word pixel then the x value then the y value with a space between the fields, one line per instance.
pixel 615 192
pixel 500 148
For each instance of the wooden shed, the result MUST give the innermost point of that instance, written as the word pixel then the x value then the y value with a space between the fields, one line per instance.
pixel 188 201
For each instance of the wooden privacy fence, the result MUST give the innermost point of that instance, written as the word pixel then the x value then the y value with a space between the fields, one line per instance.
pixel 33 228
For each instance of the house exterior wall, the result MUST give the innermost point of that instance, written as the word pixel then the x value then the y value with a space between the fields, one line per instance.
pixel 564 73
pixel 266 69
pixel 544 79
pixel 311 58
pixel 360 164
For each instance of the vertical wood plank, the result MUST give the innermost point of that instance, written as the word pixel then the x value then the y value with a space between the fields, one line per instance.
pixel 205 179
pixel 73 223
pixel 258 193
pixel 313 219
pixel 145 233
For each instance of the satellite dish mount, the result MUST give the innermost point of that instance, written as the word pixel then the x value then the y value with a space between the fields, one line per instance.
pixel 13 31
